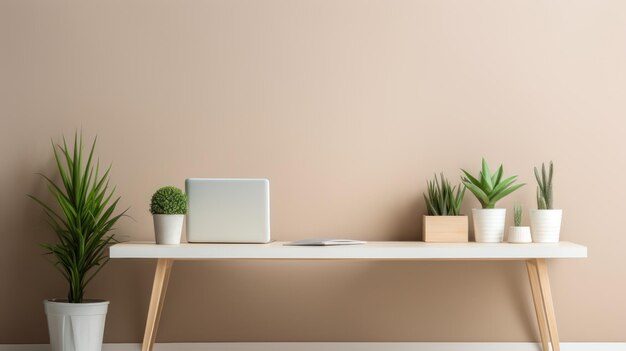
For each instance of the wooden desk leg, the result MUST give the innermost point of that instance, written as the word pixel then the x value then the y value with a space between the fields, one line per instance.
pixel 533 277
pixel 546 293
pixel 159 287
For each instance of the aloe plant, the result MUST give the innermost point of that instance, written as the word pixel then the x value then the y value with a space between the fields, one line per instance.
pixel 488 188
pixel 85 218
pixel 444 199
pixel 517 214
pixel 544 187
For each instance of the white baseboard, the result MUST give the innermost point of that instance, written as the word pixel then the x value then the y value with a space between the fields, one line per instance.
pixel 346 346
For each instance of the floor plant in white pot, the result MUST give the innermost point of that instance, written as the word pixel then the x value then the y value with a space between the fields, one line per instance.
pixel 444 222
pixel 83 229
pixel 545 221
pixel 168 207
pixel 489 189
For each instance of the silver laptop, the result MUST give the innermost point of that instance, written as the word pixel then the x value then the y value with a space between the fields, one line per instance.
pixel 228 210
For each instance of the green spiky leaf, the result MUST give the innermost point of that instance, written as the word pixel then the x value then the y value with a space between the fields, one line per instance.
pixel 84 220
pixel 544 186
pixel 517 214
pixel 488 188
pixel 442 199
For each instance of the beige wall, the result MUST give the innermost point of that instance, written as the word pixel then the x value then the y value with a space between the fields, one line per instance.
pixel 348 107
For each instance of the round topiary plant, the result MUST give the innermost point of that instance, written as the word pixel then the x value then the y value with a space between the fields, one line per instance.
pixel 168 200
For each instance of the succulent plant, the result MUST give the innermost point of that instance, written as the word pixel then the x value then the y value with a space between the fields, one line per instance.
pixel 544 187
pixel 517 214
pixel 488 188
pixel 444 199
pixel 168 200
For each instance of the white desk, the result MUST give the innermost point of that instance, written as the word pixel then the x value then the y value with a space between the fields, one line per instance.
pixel 534 255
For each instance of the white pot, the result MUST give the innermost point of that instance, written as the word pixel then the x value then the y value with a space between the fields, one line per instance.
pixel 545 225
pixel 519 235
pixel 76 326
pixel 489 224
pixel 168 228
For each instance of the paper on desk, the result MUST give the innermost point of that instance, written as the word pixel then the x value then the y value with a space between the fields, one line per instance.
pixel 325 242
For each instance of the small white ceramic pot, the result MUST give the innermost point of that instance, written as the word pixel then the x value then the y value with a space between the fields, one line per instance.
pixel 76 326
pixel 168 228
pixel 489 224
pixel 519 235
pixel 545 225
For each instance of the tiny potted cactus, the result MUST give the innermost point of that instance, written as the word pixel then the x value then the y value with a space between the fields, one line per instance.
pixel 168 207
pixel 545 221
pixel 489 189
pixel 444 222
pixel 519 234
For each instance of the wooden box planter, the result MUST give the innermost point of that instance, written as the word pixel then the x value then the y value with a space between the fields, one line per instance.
pixel 446 229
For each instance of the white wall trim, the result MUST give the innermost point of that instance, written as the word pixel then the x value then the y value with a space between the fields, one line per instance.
pixel 346 346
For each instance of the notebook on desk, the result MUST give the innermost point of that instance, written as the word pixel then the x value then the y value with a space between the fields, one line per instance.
pixel 325 242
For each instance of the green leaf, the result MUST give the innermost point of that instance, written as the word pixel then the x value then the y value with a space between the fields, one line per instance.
pixel 478 192
pixel 541 204
pixel 60 167
pixel 486 177
pixel 539 182
pixel 502 186
pixel 471 178
pixel 551 173
pixel 497 176
pixel 440 198
pixel 432 211
pixel 506 192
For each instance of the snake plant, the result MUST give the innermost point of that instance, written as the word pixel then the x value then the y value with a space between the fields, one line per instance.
pixel 544 187
pixel 488 188
pixel 444 199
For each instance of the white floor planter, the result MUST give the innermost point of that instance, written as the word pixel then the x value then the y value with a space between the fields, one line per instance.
pixel 489 224
pixel 168 228
pixel 76 326
pixel 519 235
pixel 545 225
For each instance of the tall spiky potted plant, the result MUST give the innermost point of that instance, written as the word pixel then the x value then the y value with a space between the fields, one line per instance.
pixel 444 222
pixel 489 189
pixel 545 221
pixel 82 218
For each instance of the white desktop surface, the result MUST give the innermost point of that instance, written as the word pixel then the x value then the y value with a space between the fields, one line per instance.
pixel 375 250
